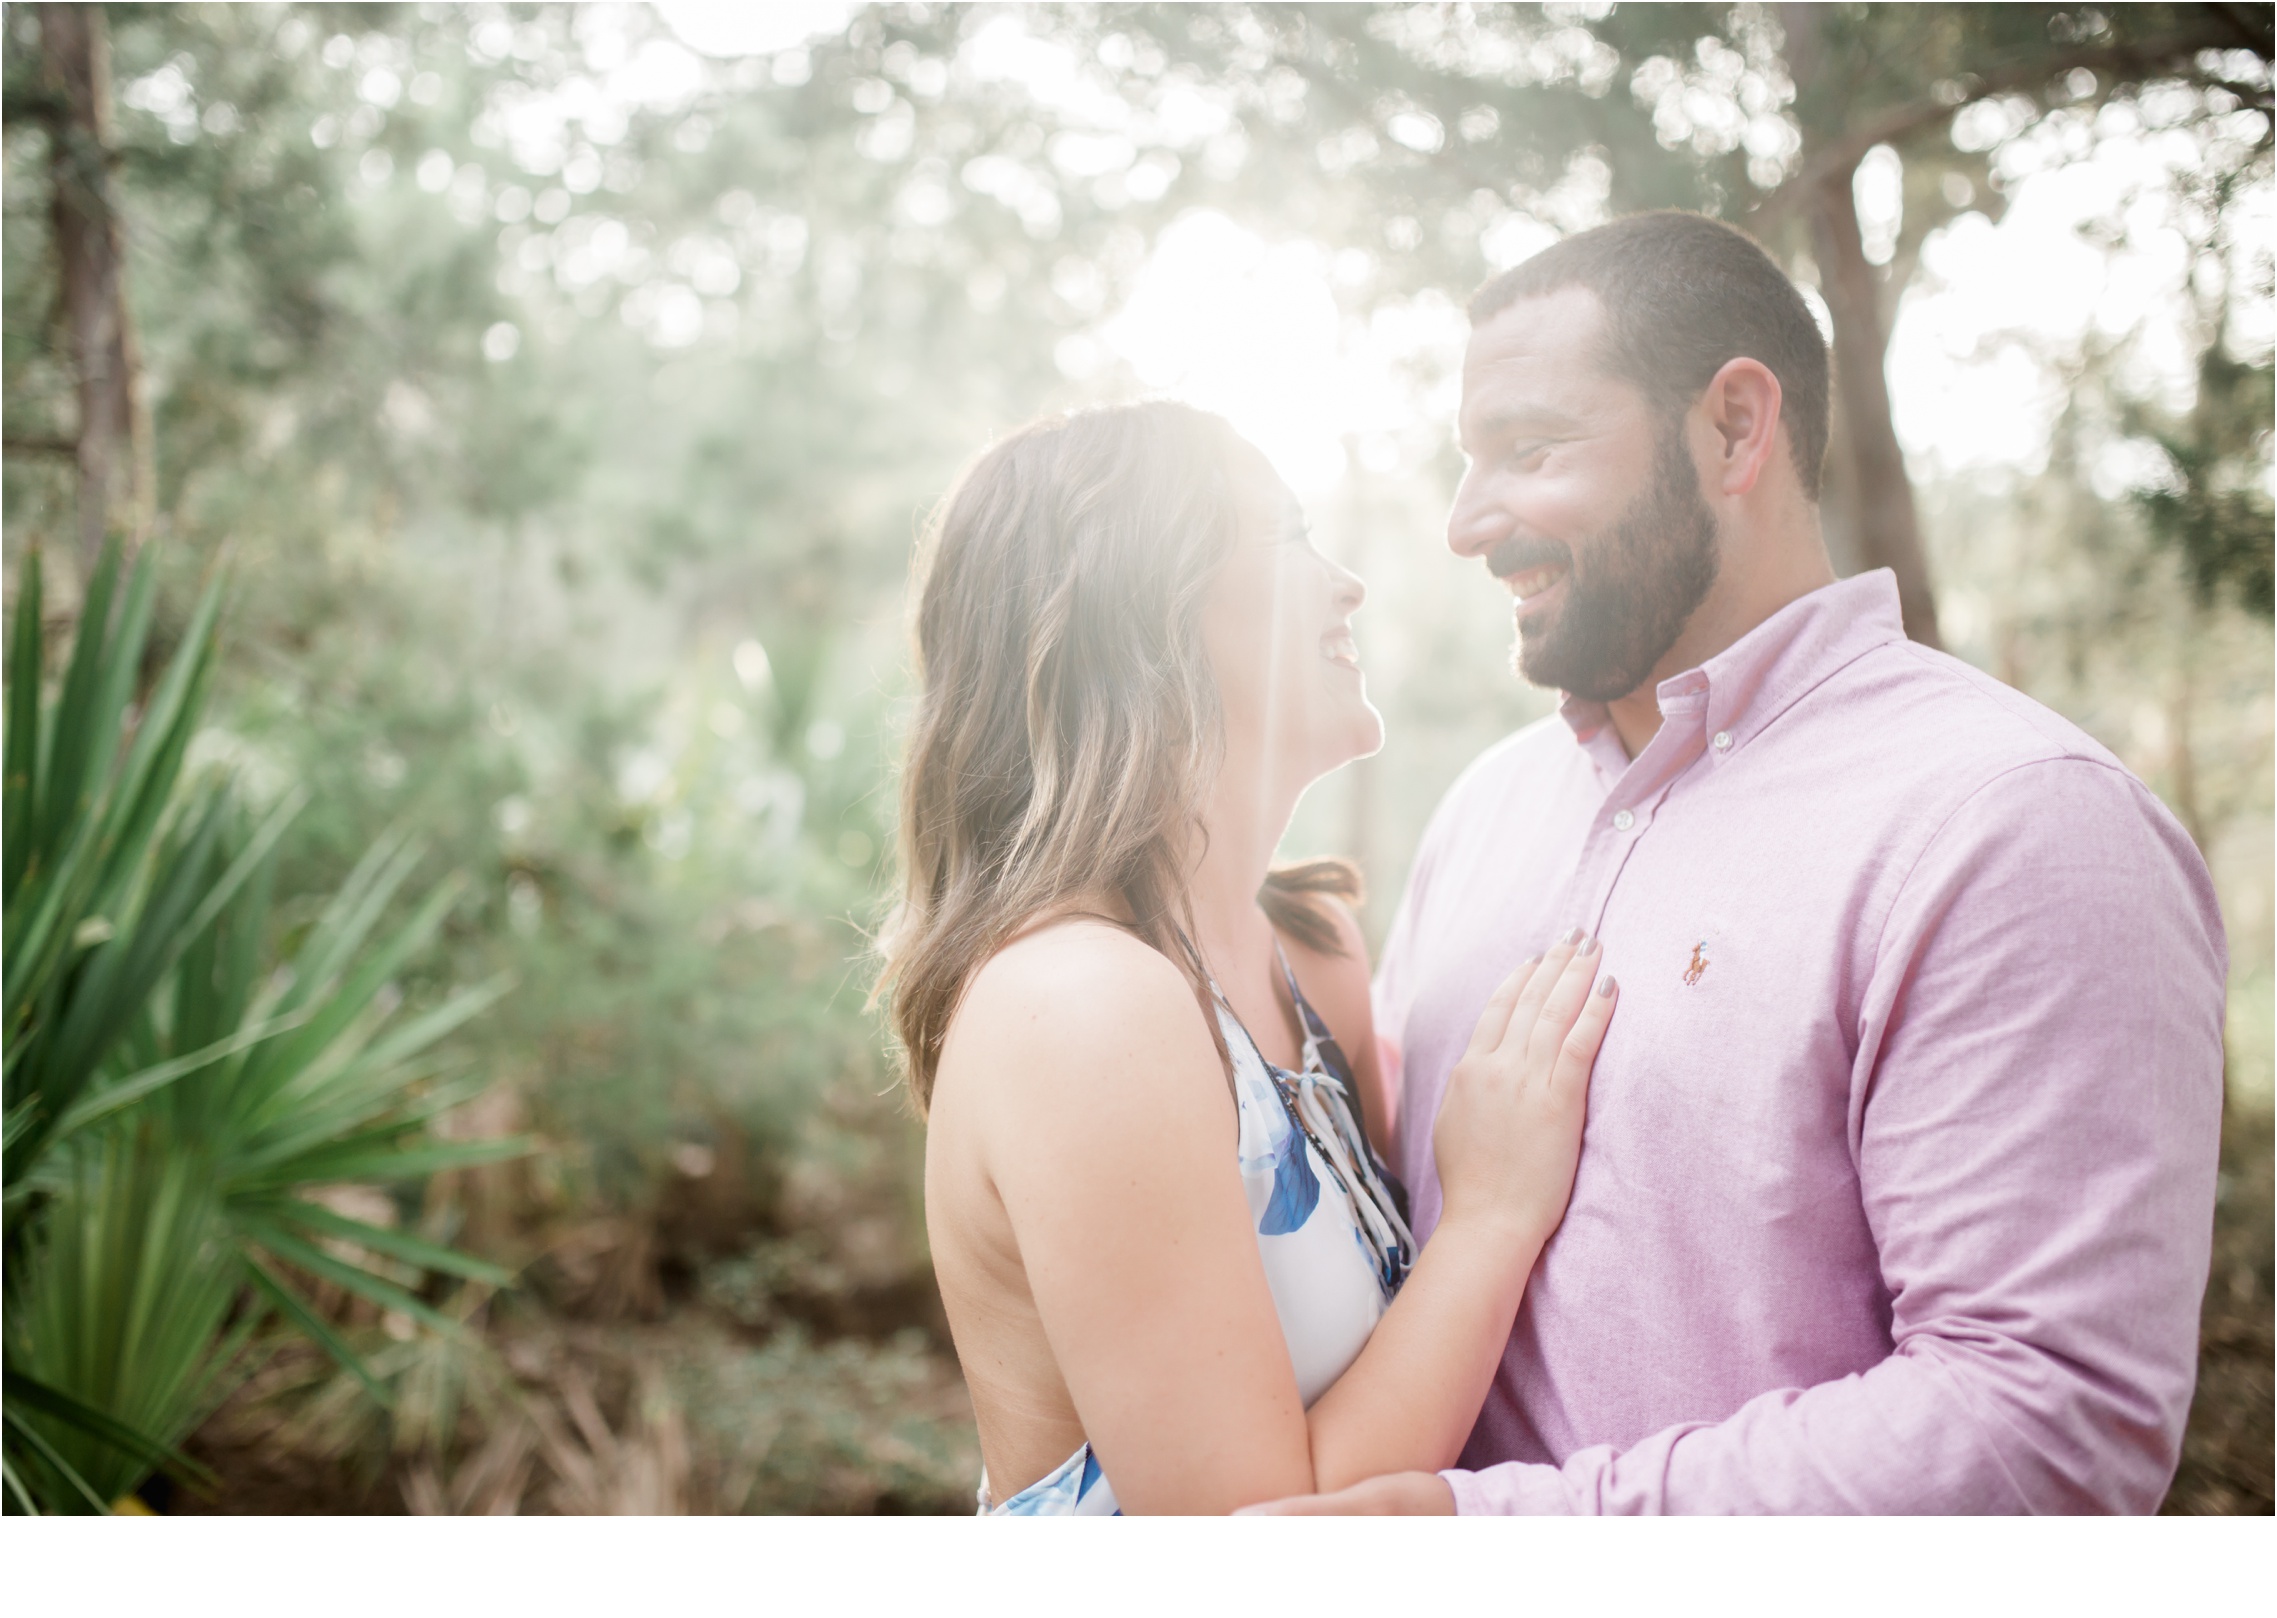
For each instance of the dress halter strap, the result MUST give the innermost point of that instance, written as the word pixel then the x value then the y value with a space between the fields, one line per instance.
pixel 1314 1041
pixel 1322 1102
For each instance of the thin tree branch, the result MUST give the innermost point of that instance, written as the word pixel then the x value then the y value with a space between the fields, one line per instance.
pixel 35 444
pixel 2143 58
pixel 2257 31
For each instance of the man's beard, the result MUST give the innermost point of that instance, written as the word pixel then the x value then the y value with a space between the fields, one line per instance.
pixel 1642 582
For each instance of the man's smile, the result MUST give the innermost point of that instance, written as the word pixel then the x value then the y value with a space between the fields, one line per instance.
pixel 1533 569
pixel 1534 580
pixel 1534 589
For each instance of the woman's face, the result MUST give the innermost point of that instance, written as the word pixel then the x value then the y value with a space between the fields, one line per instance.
pixel 1277 625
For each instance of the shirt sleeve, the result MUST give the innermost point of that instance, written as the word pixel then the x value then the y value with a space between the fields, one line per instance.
pixel 2035 1114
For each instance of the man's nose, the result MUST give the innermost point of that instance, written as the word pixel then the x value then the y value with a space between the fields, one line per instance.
pixel 1476 523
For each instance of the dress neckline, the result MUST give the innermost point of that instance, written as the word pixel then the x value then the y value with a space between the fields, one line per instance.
pixel 1312 1028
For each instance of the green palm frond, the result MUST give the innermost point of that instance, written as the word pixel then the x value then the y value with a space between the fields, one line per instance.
pixel 118 1301
pixel 175 1097
pixel 105 860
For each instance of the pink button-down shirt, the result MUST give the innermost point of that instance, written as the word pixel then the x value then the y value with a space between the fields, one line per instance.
pixel 1898 1182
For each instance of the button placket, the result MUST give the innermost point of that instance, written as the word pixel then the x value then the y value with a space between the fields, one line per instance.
pixel 1605 851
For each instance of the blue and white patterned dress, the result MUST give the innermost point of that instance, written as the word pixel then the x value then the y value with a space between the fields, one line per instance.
pixel 1329 1227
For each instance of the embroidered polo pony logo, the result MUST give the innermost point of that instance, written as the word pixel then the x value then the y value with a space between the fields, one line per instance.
pixel 1699 966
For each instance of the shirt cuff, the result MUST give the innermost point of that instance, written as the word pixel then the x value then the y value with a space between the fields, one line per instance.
pixel 1513 1489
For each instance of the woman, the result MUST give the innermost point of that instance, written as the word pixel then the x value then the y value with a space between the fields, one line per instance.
pixel 1176 1271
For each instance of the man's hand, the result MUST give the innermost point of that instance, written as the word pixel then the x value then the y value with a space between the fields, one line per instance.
pixel 1396 1494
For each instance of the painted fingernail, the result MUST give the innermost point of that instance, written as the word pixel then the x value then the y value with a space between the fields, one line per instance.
pixel 1573 937
pixel 1606 988
pixel 1589 948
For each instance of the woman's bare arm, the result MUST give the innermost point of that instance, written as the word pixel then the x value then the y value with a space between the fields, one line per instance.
pixel 1109 1134
pixel 1507 1139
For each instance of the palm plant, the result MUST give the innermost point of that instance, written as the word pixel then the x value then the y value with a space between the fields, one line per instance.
pixel 172 1095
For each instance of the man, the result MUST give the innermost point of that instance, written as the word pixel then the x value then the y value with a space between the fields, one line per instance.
pixel 1898 1183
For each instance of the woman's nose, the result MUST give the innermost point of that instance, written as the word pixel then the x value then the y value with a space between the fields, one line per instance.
pixel 1348 587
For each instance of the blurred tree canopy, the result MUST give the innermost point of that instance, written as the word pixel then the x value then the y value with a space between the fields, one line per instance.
pixel 1424 127
pixel 907 222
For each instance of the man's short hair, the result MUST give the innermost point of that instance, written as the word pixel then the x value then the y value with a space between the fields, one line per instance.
pixel 1683 296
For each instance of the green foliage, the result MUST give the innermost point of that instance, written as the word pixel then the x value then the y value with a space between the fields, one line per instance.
pixel 118 1301
pixel 106 868
pixel 2218 515
pixel 172 1102
pixel 487 634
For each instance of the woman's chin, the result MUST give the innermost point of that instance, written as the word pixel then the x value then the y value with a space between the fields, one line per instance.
pixel 1324 743
pixel 1359 736
pixel 1368 733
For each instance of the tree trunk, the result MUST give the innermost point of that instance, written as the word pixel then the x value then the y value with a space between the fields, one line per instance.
pixel 1873 523
pixel 1886 528
pixel 75 64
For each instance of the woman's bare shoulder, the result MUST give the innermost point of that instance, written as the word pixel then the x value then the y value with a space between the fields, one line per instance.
pixel 1071 956
pixel 1075 994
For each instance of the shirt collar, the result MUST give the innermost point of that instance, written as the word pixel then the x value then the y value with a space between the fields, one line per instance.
pixel 1763 673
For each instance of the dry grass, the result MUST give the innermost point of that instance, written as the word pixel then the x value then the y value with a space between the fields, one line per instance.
pixel 2226 1455
pixel 677 1358
pixel 682 1415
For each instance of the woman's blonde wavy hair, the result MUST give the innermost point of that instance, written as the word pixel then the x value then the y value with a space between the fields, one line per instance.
pixel 1067 724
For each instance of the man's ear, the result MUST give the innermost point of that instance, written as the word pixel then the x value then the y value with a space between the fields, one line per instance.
pixel 1742 406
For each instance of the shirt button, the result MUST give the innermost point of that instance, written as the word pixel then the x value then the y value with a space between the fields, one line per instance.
pixel 1623 820
pixel 1721 742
